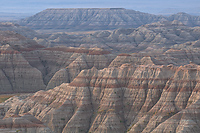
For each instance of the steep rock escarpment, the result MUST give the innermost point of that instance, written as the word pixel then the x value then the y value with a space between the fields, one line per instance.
pixel 146 98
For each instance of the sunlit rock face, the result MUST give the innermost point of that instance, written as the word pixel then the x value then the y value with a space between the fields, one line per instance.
pixel 133 98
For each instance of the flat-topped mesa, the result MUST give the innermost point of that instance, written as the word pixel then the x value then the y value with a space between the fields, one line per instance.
pixel 87 19
pixel 85 9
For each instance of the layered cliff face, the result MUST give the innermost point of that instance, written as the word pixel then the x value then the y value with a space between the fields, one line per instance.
pixel 143 98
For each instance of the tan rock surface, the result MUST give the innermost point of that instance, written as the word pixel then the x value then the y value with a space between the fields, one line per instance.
pixel 146 98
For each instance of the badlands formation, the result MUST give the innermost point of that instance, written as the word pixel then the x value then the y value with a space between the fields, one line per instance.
pixel 143 79
pixel 133 94
pixel 27 66
pixel 164 34
pixel 88 19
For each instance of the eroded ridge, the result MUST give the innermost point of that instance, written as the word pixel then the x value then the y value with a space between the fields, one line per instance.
pixel 146 98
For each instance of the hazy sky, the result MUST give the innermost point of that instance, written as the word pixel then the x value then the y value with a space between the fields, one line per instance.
pixel 150 6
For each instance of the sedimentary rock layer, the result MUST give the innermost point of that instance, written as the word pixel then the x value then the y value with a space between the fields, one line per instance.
pixel 146 98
